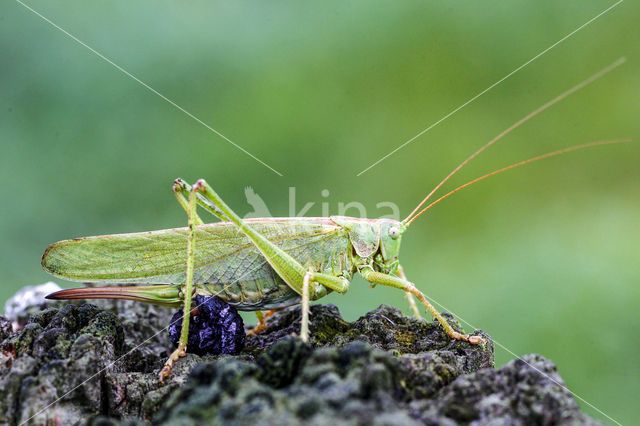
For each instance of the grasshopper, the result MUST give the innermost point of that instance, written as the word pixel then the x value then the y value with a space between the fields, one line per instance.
pixel 254 264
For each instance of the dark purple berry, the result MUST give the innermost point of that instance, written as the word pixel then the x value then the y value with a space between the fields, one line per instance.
pixel 216 329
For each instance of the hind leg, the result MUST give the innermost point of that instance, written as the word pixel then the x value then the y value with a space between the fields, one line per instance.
pixel 181 350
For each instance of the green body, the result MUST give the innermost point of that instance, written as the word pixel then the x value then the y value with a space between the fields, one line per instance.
pixel 226 262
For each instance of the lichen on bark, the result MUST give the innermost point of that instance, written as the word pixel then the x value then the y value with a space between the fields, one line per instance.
pixel 100 363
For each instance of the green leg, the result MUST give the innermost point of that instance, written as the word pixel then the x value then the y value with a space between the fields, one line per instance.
pixel 338 284
pixel 412 302
pixel 304 321
pixel 391 281
pixel 182 190
pixel 289 269
pixel 181 350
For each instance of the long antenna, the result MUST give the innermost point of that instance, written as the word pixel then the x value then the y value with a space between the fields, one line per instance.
pixel 521 163
pixel 517 124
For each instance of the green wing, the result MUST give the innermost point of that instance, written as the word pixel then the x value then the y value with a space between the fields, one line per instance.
pixel 223 254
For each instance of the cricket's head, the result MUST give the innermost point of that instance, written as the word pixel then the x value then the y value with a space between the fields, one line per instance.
pixel 390 236
pixel 374 239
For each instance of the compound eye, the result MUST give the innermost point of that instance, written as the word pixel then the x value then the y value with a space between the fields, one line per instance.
pixel 394 232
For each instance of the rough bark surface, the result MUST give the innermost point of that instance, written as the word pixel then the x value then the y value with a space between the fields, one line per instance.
pixel 99 362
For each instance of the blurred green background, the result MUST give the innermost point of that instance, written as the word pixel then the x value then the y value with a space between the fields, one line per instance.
pixel 545 258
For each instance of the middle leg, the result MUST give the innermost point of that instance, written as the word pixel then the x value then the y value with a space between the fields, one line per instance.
pixel 339 284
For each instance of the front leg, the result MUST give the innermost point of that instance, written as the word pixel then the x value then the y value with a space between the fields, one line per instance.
pixel 391 281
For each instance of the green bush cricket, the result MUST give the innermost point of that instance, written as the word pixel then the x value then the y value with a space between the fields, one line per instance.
pixel 254 264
